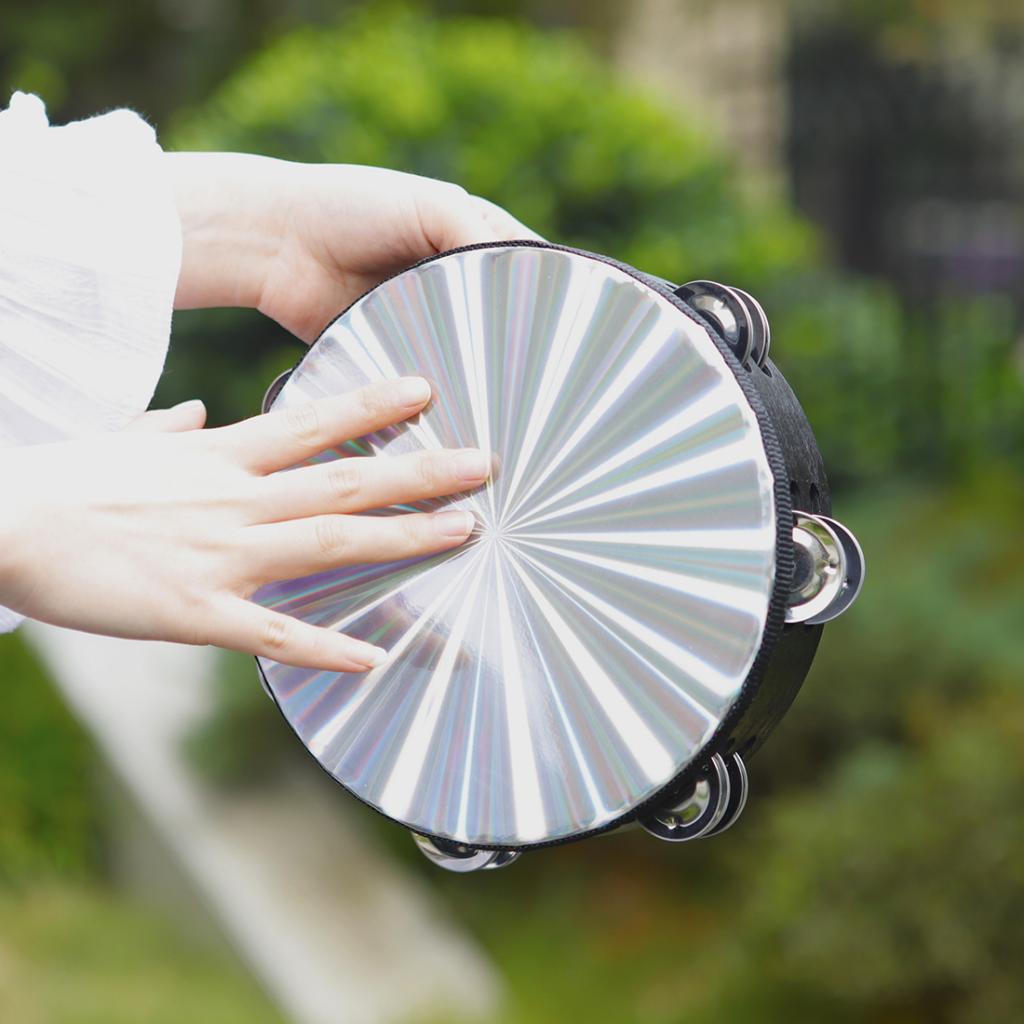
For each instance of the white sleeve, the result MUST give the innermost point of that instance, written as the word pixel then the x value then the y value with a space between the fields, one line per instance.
pixel 90 251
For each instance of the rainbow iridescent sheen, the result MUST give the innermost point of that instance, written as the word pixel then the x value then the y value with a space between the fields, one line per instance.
pixel 583 646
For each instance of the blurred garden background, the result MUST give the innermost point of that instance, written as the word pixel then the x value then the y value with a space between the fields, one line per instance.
pixel 858 165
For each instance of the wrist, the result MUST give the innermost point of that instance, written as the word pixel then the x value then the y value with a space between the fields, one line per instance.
pixel 231 226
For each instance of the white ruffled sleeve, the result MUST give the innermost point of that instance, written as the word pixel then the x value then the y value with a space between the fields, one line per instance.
pixel 90 251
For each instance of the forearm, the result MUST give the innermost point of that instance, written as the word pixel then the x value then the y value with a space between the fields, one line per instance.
pixel 231 235
pixel 301 241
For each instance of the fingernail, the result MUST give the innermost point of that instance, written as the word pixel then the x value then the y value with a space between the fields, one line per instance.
pixel 191 404
pixel 453 522
pixel 472 464
pixel 412 391
pixel 371 656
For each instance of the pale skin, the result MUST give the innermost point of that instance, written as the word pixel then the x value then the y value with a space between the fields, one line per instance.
pixel 165 530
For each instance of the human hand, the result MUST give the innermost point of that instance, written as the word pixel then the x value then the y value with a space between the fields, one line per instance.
pixel 300 242
pixel 164 532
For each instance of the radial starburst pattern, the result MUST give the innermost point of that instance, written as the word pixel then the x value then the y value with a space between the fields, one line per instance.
pixel 577 653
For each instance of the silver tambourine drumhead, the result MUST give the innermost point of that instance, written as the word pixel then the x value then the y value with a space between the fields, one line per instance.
pixel 621 628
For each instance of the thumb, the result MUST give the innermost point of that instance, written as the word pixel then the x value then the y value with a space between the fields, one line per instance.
pixel 501 223
pixel 450 217
pixel 190 415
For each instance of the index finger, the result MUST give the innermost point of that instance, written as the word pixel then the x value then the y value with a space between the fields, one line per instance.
pixel 277 439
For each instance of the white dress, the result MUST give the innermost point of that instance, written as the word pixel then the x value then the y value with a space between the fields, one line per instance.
pixel 90 251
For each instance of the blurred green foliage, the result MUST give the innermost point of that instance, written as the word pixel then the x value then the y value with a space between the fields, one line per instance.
pixel 82 954
pixel 889 862
pixel 155 56
pixel 221 747
pixel 73 950
pixel 535 122
pixel 530 120
pixel 877 872
pixel 47 816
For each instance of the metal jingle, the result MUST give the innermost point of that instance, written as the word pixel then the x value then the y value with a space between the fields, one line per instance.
pixel 739 785
pixel 275 386
pixel 727 312
pixel 829 570
pixel 501 859
pixel 761 341
pixel 698 813
pixel 462 859
pixel 856 569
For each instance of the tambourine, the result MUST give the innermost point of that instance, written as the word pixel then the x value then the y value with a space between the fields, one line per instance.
pixel 646 586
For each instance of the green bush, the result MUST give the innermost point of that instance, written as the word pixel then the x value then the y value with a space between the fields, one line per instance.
pixel 916 918
pixel 530 120
pixel 47 817
pixel 847 890
pixel 538 124
pixel 939 621
pixel 80 953
pixel 222 747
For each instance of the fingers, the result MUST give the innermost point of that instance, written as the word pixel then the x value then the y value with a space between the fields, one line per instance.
pixel 504 226
pixel 279 439
pixel 190 415
pixel 300 547
pixel 357 484
pixel 450 217
pixel 245 626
